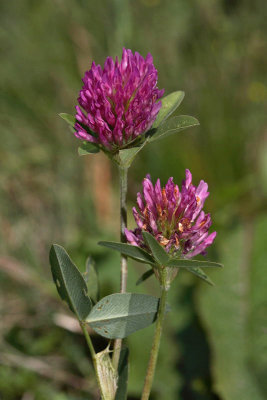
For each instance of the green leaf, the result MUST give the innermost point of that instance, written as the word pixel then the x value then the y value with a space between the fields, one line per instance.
pixel 160 255
pixel 126 156
pixel 182 263
pixel 200 274
pixel 70 119
pixel 91 279
pixel 121 393
pixel 169 105
pixel 121 314
pixel 69 282
pixel 88 148
pixel 174 125
pixel 137 253
pixel 145 276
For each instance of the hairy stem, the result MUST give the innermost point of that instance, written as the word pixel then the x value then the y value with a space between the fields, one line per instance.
pixel 155 346
pixel 93 354
pixel 123 225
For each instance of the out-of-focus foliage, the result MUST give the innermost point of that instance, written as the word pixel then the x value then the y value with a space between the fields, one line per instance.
pixel 215 338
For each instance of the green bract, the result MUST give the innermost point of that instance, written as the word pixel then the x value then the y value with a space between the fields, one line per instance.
pixel 159 130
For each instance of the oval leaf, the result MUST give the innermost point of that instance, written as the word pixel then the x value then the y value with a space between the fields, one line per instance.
pixel 118 315
pixel 182 263
pixel 174 125
pixel 169 105
pixel 200 274
pixel 160 255
pixel 69 282
pixel 137 253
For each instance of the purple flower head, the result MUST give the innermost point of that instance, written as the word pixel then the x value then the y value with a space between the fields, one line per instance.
pixel 173 216
pixel 119 102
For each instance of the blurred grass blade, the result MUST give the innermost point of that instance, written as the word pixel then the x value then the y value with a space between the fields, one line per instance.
pixel 169 105
pixel 118 315
pixel 121 393
pixel 137 253
pixel 157 250
pixel 69 282
pixel 200 274
pixel 91 279
pixel 145 276
pixel 174 125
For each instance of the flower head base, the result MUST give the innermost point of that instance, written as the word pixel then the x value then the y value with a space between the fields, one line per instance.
pixel 175 218
pixel 120 101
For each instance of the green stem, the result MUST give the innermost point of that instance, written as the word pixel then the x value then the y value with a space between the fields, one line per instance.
pixel 93 354
pixel 123 224
pixel 155 346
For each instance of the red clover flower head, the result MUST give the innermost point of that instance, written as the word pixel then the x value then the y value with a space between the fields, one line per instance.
pixel 119 102
pixel 175 218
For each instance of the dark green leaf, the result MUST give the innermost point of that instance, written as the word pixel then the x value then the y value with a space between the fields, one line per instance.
pixel 174 125
pixel 157 250
pixel 169 105
pixel 121 393
pixel 137 253
pixel 69 282
pixel 145 276
pixel 91 279
pixel 182 263
pixel 200 274
pixel 88 148
pixel 120 314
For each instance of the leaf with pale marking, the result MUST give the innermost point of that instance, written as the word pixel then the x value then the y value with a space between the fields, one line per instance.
pixel 69 281
pixel 118 315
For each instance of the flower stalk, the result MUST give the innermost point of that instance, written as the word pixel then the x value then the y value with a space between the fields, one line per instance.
pixel 123 177
pixel 156 341
pixel 93 355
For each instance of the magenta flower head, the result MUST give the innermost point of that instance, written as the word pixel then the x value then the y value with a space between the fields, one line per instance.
pixel 174 217
pixel 119 102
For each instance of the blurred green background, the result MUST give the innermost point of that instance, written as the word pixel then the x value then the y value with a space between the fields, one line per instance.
pixel 215 342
